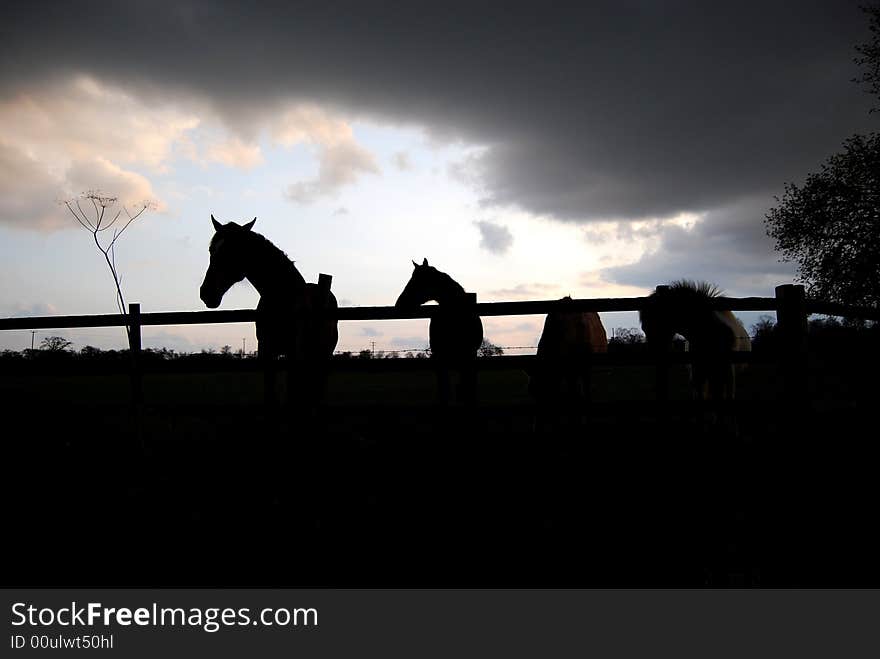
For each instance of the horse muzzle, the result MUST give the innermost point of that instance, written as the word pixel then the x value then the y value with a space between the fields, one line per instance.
pixel 211 300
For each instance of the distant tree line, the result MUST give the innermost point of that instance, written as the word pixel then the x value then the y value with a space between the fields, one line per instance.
pixel 58 347
pixel 825 334
pixel 486 349
pixel 383 354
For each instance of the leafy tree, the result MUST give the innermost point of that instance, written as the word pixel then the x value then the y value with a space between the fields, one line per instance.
pixel 830 226
pixel 55 344
pixel 489 349
pixel 763 328
pixel 627 340
pixel 11 355
pixel 870 55
pixel 764 334
pixel 626 336
pixel 166 354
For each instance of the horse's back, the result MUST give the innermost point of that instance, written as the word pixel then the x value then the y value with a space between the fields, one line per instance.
pixel 572 334
pixel 713 373
pixel 281 320
pixel 567 335
pixel 743 341
pixel 739 336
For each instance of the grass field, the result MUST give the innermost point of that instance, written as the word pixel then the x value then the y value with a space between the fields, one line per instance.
pixel 203 487
pixel 620 383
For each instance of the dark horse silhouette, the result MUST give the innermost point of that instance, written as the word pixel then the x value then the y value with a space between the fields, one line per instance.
pixel 455 334
pixel 560 377
pixel 684 307
pixel 286 323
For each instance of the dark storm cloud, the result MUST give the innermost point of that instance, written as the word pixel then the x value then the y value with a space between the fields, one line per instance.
pixel 727 247
pixel 602 110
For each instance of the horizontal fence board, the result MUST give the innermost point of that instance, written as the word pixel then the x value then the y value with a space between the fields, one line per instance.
pixel 522 308
pixel 63 322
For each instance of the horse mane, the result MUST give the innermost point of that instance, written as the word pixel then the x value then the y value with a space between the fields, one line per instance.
pixel 701 288
pixel 271 247
pixel 258 241
pixel 444 280
pixel 691 294
pixel 448 278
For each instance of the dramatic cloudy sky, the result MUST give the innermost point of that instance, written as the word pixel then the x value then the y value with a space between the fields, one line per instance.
pixel 531 151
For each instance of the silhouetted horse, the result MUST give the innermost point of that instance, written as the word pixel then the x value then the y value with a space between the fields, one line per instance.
pixel 455 334
pixel 286 324
pixel 684 307
pixel 568 339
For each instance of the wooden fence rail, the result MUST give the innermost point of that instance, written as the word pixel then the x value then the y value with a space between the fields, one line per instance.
pixel 790 303
pixel 532 307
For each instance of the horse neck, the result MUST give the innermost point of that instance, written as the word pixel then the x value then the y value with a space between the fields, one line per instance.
pixel 449 291
pixel 270 271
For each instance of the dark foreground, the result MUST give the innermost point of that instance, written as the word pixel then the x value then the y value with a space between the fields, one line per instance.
pixel 409 495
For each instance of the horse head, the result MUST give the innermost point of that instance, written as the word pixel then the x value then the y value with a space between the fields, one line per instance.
pixel 228 260
pixel 421 287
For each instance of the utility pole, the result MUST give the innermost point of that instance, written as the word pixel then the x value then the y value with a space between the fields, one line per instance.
pixel 372 349
pixel 243 342
pixel 33 332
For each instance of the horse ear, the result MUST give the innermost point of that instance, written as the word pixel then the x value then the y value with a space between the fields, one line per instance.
pixel 415 265
pixel 425 262
pixel 249 225
pixel 216 224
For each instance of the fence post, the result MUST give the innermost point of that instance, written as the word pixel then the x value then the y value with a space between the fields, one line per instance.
pixel 134 346
pixel 661 353
pixel 324 283
pixel 469 371
pixel 320 385
pixel 791 314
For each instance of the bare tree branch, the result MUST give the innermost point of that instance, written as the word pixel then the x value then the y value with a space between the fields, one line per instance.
pixel 113 221
pixel 73 212
pixel 130 220
pixel 100 202
pixel 100 217
pixel 85 217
